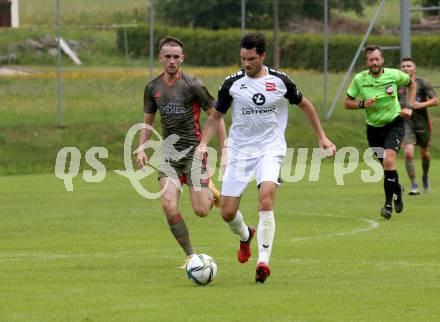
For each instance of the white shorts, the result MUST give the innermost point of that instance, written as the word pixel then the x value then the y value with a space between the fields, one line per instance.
pixel 239 173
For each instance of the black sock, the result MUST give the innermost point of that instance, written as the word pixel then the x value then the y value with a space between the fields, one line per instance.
pixel 389 185
pixel 397 185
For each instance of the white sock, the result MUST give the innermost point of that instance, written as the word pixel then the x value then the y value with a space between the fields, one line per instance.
pixel 265 234
pixel 238 226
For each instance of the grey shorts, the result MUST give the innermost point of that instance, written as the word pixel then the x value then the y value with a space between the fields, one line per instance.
pixel 417 136
pixel 186 170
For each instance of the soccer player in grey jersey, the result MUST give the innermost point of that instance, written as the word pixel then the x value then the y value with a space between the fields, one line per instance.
pixel 179 98
pixel 418 127
pixel 258 98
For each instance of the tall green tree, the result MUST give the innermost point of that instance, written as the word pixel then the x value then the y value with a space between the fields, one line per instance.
pixel 220 14
pixel 430 3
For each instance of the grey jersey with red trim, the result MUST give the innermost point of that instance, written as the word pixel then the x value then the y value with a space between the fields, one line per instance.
pixel 419 117
pixel 179 104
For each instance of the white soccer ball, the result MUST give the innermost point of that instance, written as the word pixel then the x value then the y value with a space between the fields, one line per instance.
pixel 201 269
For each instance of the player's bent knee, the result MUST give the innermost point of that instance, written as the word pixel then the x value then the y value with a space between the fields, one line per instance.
pixel 227 215
pixel 266 203
pixel 389 163
pixel 169 207
pixel 201 211
pixel 425 154
pixel 266 207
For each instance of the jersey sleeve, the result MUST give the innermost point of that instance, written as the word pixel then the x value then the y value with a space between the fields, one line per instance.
pixel 293 94
pixel 402 79
pixel 429 91
pixel 224 99
pixel 150 105
pixel 202 95
pixel 401 95
pixel 353 89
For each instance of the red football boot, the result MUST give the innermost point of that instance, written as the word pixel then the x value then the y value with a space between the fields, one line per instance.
pixel 244 252
pixel 262 272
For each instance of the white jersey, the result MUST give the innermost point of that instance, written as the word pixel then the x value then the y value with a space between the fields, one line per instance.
pixel 259 112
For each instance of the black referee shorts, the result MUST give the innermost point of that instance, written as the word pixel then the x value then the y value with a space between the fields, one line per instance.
pixel 389 136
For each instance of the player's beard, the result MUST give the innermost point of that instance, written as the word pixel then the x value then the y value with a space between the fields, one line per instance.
pixel 253 71
pixel 376 70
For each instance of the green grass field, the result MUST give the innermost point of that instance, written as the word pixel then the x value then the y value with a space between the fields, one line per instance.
pixel 82 11
pixel 102 253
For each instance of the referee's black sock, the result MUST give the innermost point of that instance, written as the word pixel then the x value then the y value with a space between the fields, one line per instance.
pixel 390 184
pixel 397 185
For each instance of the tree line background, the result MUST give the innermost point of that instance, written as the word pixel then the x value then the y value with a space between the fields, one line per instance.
pixel 222 14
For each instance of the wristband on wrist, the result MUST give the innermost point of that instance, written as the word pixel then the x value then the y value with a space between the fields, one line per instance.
pixel 409 106
pixel 362 104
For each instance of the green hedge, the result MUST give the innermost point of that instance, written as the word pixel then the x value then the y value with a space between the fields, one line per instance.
pixel 220 48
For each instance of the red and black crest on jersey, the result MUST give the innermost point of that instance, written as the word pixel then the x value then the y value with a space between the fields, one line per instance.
pixel 271 86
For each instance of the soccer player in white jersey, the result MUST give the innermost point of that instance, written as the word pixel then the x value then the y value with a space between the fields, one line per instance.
pixel 256 143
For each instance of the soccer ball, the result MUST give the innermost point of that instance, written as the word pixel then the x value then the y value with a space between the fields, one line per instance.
pixel 201 269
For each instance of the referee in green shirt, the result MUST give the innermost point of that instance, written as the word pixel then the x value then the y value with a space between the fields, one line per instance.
pixel 377 88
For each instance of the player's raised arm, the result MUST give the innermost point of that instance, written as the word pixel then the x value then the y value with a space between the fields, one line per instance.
pixel 309 110
pixel 433 101
pixel 352 104
pixel 431 98
pixel 406 112
pixel 412 88
pixel 353 91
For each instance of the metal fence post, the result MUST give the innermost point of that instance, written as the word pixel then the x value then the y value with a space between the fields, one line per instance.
pixel 151 39
pixel 60 110
pixel 126 45
pixel 353 62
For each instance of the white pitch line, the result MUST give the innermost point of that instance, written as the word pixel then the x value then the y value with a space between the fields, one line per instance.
pixel 372 225
pixel 363 262
pixel 42 257
pixel 12 257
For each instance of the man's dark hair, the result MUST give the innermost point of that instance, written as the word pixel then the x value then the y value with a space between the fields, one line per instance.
pixel 370 48
pixel 407 59
pixel 170 41
pixel 254 40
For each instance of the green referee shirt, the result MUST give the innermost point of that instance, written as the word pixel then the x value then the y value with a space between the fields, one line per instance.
pixel 384 90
